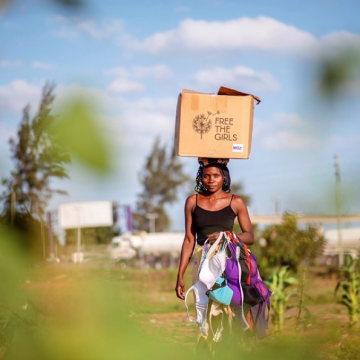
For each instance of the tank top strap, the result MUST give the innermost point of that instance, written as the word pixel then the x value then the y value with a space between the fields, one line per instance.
pixel 231 199
pixel 196 199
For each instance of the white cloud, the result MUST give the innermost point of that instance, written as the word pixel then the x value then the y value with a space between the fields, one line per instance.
pixel 60 19
pixel 248 78
pixel 98 30
pixel 101 30
pixel 146 104
pixel 287 139
pixel 42 65
pixel 9 63
pixel 289 119
pixel 91 29
pixel 143 120
pixel 340 39
pixel 261 33
pixel 157 72
pixel 17 94
pixel 135 128
pixel 126 86
pixel 127 80
pixel 285 131
pixel 118 72
pixel 65 32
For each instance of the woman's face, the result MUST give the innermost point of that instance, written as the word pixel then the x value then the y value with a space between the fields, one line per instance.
pixel 212 178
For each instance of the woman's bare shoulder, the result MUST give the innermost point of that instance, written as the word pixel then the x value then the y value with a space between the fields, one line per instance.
pixel 190 204
pixel 191 200
pixel 238 201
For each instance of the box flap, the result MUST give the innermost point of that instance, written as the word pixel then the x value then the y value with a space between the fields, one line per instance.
pixel 187 91
pixel 231 92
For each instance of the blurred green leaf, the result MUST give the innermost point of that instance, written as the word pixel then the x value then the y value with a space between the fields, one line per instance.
pixel 337 72
pixel 80 131
pixel 348 287
pixel 11 271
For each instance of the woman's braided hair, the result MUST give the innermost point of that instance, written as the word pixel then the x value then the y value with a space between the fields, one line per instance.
pixel 200 187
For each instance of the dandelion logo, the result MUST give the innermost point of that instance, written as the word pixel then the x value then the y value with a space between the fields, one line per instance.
pixel 202 124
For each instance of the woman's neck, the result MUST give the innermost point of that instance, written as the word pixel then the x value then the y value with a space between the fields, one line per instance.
pixel 215 195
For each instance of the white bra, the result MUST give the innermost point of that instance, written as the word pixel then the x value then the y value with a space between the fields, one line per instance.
pixel 213 267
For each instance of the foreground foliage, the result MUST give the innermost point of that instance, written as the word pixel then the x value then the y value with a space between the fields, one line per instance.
pixel 348 287
pixel 281 286
pixel 87 313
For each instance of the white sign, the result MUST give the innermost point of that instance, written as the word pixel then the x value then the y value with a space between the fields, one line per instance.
pixel 85 214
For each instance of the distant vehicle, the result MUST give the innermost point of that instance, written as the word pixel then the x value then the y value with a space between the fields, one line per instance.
pixel 147 245
pixel 121 249
pixel 163 243
pixel 350 240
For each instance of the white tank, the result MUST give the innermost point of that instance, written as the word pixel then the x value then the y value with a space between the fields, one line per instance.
pixel 163 243
pixel 146 244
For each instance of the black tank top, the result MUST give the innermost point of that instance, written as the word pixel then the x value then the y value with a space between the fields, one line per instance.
pixel 206 222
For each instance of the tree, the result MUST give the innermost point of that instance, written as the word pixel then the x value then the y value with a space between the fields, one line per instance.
pixel 287 245
pixel 38 158
pixel 161 177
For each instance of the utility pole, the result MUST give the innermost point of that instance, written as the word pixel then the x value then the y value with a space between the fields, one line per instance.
pixel 338 210
pixel 276 201
pixel 78 247
pixel 151 217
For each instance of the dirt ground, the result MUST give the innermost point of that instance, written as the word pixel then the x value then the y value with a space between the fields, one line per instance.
pixel 57 291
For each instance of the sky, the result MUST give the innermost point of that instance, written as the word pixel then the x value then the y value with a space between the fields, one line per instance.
pixel 133 59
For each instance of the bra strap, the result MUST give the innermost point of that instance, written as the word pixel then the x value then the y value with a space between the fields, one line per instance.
pixel 196 199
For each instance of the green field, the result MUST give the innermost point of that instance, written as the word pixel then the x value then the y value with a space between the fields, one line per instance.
pixel 100 310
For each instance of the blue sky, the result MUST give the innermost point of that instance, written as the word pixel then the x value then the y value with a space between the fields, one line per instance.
pixel 134 58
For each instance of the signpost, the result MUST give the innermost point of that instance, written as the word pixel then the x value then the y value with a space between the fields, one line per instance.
pixel 80 215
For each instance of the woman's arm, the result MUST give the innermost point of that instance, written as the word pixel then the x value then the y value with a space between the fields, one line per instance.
pixel 240 209
pixel 187 248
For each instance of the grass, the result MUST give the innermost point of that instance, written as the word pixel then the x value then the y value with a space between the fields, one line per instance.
pixel 66 308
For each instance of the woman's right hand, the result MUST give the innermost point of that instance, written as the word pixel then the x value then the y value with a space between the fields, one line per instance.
pixel 180 288
pixel 213 237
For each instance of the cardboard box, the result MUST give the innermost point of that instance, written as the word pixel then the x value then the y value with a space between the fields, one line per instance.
pixel 214 126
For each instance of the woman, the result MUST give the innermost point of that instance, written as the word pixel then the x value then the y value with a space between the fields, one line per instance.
pixel 212 210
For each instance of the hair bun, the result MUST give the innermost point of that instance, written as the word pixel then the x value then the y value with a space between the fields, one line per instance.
pixel 209 161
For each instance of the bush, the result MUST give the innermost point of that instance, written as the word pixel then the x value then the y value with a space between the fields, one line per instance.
pixel 287 245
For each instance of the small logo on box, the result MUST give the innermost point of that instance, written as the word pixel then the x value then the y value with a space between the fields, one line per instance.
pixel 238 148
pixel 202 124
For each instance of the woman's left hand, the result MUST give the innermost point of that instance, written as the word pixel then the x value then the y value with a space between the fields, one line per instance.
pixel 213 237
